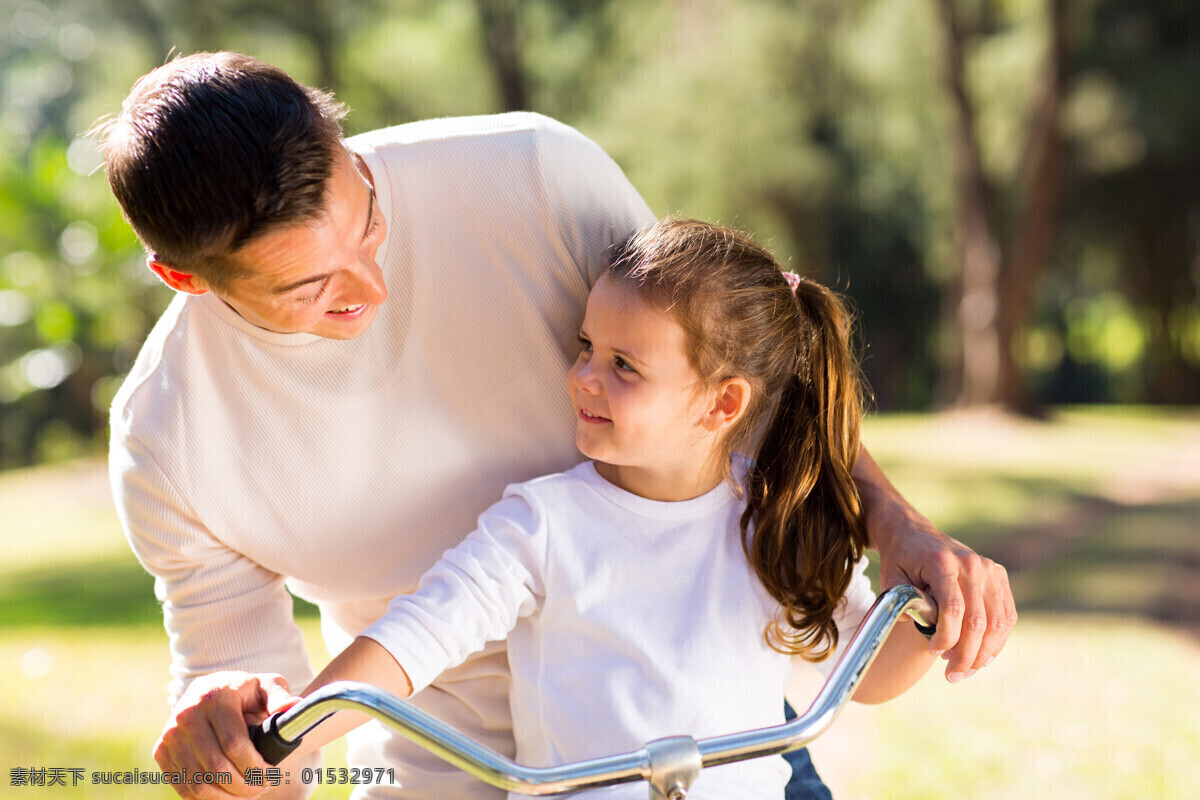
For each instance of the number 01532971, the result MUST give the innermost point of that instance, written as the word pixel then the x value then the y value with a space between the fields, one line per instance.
pixel 339 776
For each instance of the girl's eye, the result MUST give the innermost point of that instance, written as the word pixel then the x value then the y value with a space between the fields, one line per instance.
pixel 584 345
pixel 623 365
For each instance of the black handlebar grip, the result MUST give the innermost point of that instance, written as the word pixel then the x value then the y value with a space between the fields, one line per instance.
pixel 926 630
pixel 270 745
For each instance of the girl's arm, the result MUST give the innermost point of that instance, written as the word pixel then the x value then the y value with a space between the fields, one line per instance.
pixel 472 596
pixel 365 660
pixel 901 662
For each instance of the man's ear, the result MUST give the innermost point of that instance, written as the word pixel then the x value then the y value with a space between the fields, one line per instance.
pixel 728 403
pixel 179 281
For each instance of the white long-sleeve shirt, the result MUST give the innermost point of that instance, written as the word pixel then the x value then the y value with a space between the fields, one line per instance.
pixel 627 620
pixel 242 459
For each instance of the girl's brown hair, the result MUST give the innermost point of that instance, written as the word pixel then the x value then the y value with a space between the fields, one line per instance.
pixel 742 318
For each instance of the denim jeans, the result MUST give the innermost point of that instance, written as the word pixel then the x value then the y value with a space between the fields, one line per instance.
pixel 805 783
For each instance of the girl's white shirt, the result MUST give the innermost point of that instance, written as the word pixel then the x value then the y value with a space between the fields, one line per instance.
pixel 627 620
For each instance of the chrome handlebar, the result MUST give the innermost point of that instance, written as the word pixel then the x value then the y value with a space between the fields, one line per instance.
pixel 669 764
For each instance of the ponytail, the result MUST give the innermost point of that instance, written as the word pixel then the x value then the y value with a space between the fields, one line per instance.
pixel 808 526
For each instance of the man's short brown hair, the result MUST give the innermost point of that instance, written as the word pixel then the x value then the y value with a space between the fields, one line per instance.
pixel 213 150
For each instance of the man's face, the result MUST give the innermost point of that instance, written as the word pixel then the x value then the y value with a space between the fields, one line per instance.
pixel 319 276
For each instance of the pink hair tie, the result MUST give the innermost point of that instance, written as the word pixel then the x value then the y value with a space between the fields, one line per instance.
pixel 793 280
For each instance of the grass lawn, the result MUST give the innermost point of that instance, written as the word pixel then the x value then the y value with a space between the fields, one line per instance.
pixel 94 699
pixel 1075 707
pixel 1096 513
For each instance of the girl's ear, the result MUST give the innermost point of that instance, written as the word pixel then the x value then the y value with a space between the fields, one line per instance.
pixel 729 402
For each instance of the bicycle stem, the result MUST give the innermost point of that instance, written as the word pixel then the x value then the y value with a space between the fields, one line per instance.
pixel 669 764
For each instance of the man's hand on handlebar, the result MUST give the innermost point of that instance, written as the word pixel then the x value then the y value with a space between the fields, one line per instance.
pixel 975 604
pixel 207 733
pixel 976 611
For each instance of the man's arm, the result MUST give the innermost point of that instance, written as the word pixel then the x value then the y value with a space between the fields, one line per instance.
pixel 976 611
pixel 594 204
pixel 222 613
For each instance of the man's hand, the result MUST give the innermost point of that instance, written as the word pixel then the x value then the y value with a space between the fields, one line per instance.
pixel 976 611
pixel 975 604
pixel 207 732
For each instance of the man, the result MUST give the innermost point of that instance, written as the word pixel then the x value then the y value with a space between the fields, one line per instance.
pixel 284 423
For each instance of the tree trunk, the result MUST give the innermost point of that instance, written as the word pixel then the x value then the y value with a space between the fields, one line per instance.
pixel 979 249
pixel 502 44
pixel 998 277
pixel 1035 231
pixel 148 24
pixel 315 21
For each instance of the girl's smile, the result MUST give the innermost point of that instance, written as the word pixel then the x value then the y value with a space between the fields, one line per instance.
pixel 592 419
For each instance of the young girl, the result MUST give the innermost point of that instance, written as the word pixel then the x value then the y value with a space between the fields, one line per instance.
pixel 661 587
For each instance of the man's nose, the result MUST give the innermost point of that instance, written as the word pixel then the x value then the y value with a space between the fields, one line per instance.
pixel 368 283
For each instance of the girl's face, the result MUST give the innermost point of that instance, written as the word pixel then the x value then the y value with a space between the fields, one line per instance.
pixel 639 412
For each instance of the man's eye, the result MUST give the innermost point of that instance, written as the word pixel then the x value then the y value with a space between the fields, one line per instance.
pixel 320 293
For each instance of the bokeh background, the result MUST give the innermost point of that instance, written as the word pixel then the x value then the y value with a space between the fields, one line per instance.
pixel 1007 190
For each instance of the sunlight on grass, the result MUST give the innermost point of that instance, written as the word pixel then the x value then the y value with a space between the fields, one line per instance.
pixel 976 471
pixel 58 515
pixel 1084 447
pixel 95 699
pixel 1073 708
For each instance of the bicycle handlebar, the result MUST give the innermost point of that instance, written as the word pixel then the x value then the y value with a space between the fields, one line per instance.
pixel 669 764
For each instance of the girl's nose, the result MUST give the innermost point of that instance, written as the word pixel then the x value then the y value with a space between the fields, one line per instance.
pixel 585 378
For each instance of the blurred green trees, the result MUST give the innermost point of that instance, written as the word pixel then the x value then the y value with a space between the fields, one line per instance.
pixel 908 152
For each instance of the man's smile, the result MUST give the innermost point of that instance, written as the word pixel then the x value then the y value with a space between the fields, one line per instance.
pixel 348 310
